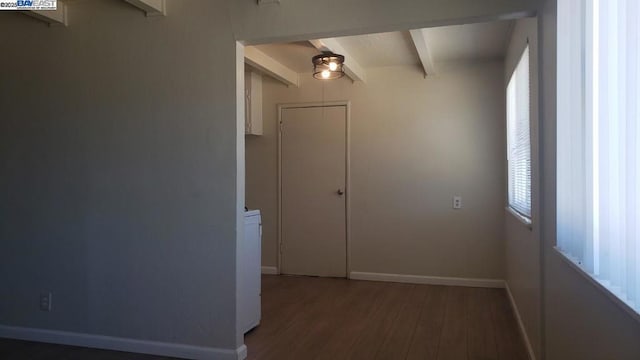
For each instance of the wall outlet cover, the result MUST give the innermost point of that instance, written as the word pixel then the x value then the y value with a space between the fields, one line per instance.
pixel 457 202
pixel 45 301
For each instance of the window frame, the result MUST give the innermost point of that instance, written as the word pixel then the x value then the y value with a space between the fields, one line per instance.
pixel 587 26
pixel 526 219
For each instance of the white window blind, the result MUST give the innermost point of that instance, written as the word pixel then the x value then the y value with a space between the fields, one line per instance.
pixel 598 167
pixel 518 138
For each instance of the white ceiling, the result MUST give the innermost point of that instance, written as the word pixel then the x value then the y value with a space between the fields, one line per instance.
pixel 485 41
pixel 472 42
pixel 384 49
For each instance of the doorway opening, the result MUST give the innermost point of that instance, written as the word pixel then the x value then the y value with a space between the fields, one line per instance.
pixel 394 173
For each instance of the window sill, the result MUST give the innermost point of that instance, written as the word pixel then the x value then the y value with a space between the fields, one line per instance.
pixel 523 219
pixel 608 293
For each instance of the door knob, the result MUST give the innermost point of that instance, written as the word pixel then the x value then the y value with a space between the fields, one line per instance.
pixel 340 192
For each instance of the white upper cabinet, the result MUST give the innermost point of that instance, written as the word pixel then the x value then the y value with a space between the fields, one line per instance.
pixel 253 103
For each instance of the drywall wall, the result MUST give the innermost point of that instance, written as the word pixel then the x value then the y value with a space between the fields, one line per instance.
pixel 118 173
pixel 522 243
pixel 580 322
pixel 415 143
pixel 307 19
pixel 79 165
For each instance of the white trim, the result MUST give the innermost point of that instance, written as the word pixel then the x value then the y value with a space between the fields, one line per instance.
pixel 428 280
pixel 51 17
pixel 270 270
pixel 347 199
pixel 240 187
pixel 270 66
pixel 523 219
pixel 523 330
pixel 150 7
pixel 604 289
pixel 424 53
pixel 241 352
pixel 122 344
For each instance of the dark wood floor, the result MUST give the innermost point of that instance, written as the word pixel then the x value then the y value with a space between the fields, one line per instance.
pixel 320 318
pixel 28 350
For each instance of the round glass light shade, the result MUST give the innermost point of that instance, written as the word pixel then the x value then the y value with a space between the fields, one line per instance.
pixel 328 66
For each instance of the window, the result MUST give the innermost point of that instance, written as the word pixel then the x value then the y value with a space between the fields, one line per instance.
pixel 598 169
pixel 518 138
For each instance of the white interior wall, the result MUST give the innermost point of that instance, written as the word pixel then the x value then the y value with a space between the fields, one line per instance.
pixel 120 170
pixel 522 243
pixel 415 143
pixel 84 184
pixel 118 174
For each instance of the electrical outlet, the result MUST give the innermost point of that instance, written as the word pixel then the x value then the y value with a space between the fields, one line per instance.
pixel 45 301
pixel 457 202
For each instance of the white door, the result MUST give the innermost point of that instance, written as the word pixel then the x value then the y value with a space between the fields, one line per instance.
pixel 313 191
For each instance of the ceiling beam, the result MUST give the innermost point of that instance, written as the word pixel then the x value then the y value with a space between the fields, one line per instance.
pixel 351 66
pixel 150 7
pixel 51 17
pixel 420 42
pixel 270 66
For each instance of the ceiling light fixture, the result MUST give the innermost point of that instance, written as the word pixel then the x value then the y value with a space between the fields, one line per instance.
pixel 328 66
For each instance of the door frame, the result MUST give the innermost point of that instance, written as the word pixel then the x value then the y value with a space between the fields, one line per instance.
pixel 347 105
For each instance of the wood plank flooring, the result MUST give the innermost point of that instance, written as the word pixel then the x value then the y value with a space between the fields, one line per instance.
pixel 320 318
pixel 29 350
pixel 307 318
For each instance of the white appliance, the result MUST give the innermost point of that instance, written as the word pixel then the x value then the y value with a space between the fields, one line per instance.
pixel 249 286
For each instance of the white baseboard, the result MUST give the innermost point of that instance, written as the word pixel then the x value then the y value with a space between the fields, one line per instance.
pixel 270 270
pixel 523 330
pixel 428 280
pixel 122 344
pixel 241 352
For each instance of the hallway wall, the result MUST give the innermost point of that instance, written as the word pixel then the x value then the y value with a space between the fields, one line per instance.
pixel 415 143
